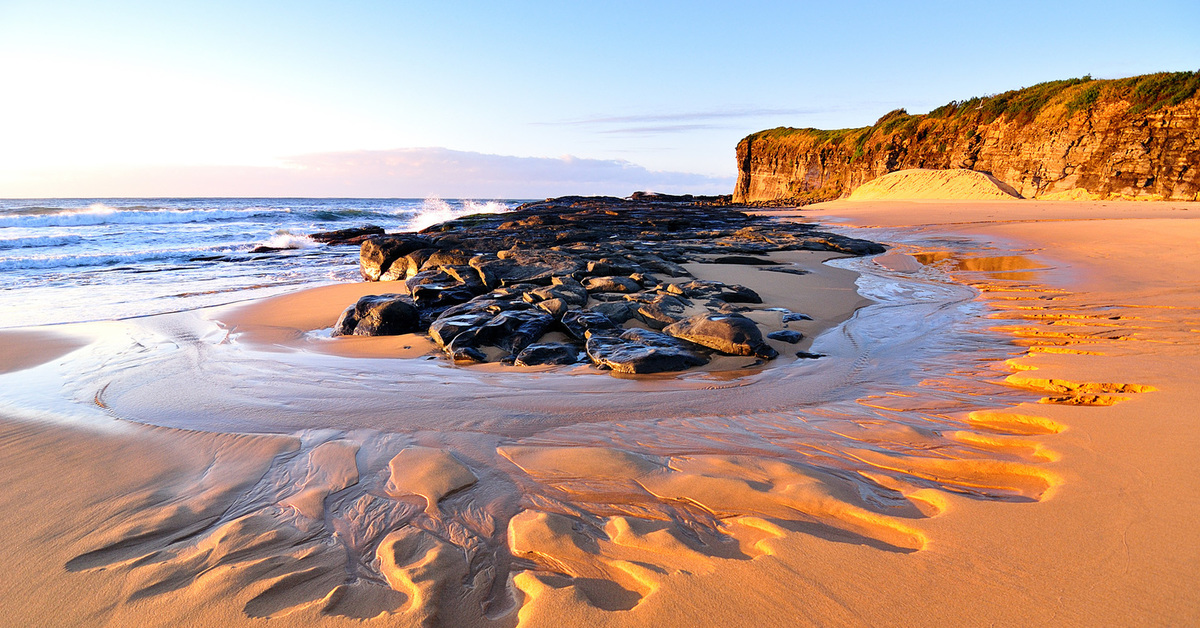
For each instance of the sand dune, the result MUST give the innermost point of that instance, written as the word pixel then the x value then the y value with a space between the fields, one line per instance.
pixel 926 185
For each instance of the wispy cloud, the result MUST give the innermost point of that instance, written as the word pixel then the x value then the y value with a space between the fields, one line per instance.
pixel 665 128
pixel 716 114
pixel 409 172
pixel 680 121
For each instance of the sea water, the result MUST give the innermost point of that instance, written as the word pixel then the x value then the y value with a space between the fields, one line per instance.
pixel 76 260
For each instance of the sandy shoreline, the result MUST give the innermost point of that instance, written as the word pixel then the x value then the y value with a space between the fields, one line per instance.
pixel 1021 513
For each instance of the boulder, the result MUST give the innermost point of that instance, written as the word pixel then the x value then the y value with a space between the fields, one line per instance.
pixel 616 311
pixel 379 315
pixel 642 351
pixel 732 334
pixel 786 335
pixel 611 284
pixel 659 310
pixel 580 324
pixel 543 353
pixel 378 253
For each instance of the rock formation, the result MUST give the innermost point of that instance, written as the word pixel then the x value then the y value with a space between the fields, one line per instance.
pixel 1080 138
pixel 581 279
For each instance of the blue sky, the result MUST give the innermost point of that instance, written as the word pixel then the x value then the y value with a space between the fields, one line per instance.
pixel 142 98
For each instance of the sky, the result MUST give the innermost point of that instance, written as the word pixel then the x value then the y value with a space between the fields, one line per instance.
pixel 504 100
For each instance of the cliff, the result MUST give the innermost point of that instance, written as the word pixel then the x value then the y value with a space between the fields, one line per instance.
pixel 1126 138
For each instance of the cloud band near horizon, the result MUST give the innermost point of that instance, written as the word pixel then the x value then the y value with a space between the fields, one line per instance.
pixel 402 173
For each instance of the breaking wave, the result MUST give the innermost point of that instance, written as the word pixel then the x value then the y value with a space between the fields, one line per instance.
pixel 434 211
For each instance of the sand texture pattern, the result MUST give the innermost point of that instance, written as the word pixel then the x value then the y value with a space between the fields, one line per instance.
pixel 1001 431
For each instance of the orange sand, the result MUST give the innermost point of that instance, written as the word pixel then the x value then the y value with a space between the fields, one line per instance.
pixel 1098 529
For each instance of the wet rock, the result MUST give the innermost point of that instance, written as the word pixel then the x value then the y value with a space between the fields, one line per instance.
pixel 433 289
pixel 353 235
pixel 731 334
pixel 554 307
pixel 447 258
pixel 567 289
pixel 788 270
pixel 642 351
pixel 610 266
pixel 804 355
pixel 524 267
pixel 791 317
pixel 729 293
pixel 543 353
pixel 659 310
pixel 611 284
pixel 379 315
pixel 446 328
pixel 581 324
pixel 616 311
pixel 510 331
pixel 743 260
pixel 786 335
pixel 379 252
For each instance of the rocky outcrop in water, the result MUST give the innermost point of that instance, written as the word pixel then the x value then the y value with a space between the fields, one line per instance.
pixel 1081 138
pixel 586 278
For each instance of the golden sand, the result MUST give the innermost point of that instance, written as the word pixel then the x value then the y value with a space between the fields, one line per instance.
pixel 1054 484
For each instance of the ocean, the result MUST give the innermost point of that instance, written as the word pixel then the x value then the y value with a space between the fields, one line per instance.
pixel 76 260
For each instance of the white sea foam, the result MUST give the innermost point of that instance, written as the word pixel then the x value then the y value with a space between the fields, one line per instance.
pixel 284 239
pixel 99 214
pixel 101 259
pixel 435 210
pixel 39 241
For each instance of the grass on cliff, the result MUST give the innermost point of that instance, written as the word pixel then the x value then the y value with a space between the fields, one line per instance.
pixel 1145 94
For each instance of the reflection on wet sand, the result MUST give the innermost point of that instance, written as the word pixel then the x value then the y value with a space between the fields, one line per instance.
pixel 480 492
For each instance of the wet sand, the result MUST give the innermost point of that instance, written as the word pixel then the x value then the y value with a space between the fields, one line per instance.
pixel 1005 437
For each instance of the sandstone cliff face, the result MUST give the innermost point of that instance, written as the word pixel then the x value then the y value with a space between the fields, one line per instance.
pixel 1135 138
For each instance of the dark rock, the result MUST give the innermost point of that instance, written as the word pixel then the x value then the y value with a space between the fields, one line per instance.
pixel 511 331
pixel 447 258
pixel 542 353
pixel 446 328
pixel 378 252
pixel 610 266
pixel 732 334
pixel 786 335
pixel 641 351
pixel 379 315
pixel 659 310
pixel 743 260
pixel 787 270
pixel 730 293
pixel 617 311
pixel 804 355
pixel 554 307
pixel 611 284
pixel 581 324
pixel 353 235
pixel 407 266
pixel 791 317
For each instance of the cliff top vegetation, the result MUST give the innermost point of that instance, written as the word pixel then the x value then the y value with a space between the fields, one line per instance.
pixel 1064 98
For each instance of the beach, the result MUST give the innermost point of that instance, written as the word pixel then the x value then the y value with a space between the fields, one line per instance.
pixel 1000 431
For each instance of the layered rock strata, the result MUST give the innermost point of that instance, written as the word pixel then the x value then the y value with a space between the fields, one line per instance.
pixel 581 279
pixel 1080 138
